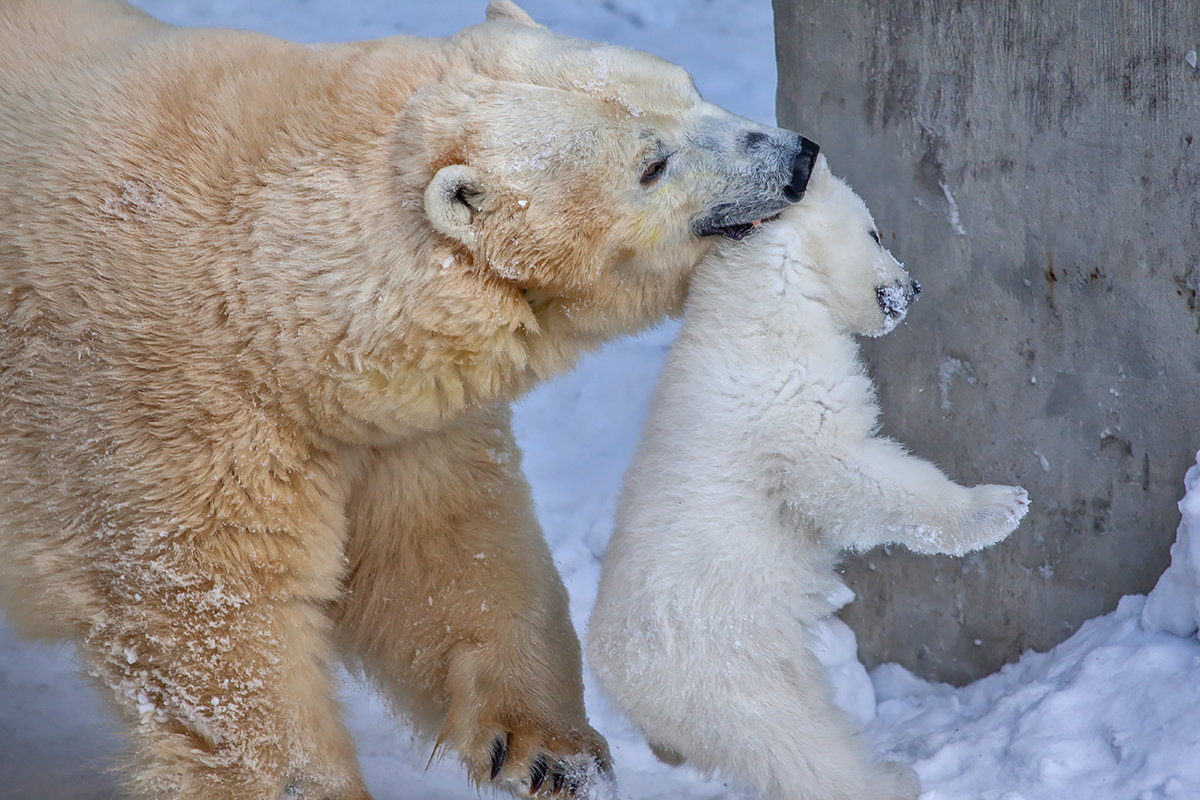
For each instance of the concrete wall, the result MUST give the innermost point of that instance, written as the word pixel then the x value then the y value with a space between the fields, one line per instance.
pixel 1037 167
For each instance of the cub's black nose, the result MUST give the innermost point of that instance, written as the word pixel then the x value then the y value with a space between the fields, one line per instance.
pixel 801 169
pixel 894 299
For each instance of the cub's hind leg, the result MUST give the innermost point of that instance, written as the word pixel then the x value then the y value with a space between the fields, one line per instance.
pixel 768 722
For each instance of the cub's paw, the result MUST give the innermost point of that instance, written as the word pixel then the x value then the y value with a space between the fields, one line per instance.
pixel 900 782
pixel 995 513
pixel 530 763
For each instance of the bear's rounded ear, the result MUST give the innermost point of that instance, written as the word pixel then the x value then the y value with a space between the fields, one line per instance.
pixel 452 199
pixel 507 9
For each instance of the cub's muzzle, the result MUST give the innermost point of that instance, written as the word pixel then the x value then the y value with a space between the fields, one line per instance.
pixel 895 298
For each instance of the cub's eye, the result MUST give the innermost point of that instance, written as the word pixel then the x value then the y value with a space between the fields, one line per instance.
pixel 875 236
pixel 654 170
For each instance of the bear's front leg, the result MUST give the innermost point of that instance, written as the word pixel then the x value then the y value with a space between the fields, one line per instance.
pixel 453 606
pixel 224 683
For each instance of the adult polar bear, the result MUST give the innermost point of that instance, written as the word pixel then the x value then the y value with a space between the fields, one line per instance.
pixel 760 463
pixel 261 308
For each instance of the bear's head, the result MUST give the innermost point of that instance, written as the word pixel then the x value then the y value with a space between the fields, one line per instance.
pixel 834 255
pixel 587 178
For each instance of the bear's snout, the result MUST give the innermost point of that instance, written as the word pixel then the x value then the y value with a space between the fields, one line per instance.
pixel 895 298
pixel 795 150
pixel 766 171
pixel 802 165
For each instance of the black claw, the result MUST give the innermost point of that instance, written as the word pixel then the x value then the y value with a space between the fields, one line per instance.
pixel 537 773
pixel 557 779
pixel 499 751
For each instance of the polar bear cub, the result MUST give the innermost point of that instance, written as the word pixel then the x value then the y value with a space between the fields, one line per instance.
pixel 759 464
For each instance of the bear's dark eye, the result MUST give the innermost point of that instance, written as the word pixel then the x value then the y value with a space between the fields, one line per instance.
pixel 875 236
pixel 654 170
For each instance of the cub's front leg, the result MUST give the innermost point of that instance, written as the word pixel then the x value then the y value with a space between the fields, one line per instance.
pixel 453 606
pixel 873 492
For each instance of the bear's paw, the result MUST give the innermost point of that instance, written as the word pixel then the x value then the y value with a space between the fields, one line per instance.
pixel 529 764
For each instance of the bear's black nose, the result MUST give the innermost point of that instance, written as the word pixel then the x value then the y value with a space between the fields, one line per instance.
pixel 801 169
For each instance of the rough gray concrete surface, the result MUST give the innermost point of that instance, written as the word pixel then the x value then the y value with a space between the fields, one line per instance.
pixel 1037 167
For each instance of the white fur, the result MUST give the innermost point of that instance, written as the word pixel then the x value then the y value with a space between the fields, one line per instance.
pixel 758 466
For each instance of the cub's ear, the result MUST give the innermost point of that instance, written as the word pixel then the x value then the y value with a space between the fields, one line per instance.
pixel 507 9
pixel 819 176
pixel 452 199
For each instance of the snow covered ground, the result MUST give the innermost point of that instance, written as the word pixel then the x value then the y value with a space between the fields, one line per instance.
pixel 1111 714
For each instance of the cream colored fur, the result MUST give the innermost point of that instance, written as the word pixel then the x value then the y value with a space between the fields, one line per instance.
pixel 262 306
pixel 759 465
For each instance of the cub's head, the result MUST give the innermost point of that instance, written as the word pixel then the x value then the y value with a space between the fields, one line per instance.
pixel 834 254
pixel 587 177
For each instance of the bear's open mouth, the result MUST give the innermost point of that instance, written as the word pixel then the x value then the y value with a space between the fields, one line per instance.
pixel 741 230
pixel 738 220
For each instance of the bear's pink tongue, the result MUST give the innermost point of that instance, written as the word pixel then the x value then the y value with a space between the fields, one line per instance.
pixel 758 223
pixel 743 229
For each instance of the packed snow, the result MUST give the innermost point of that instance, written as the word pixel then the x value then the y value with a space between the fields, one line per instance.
pixel 1107 715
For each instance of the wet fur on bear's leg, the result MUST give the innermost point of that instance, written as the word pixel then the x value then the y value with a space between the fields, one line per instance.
pixel 226 702
pixel 206 622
